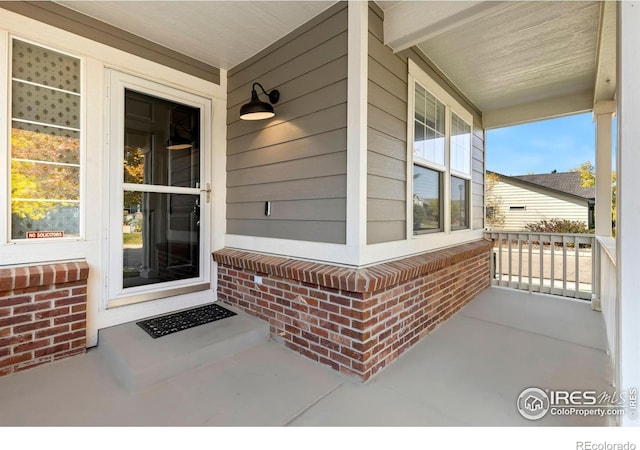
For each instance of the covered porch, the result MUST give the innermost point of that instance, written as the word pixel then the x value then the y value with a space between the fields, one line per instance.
pixel 472 368
pixel 469 372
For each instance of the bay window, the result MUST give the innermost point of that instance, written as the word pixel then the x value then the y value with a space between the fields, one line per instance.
pixel 440 157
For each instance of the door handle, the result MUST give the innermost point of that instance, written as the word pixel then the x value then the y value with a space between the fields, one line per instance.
pixel 207 189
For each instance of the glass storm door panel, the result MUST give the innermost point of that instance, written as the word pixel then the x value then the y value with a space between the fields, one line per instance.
pixel 160 191
pixel 159 153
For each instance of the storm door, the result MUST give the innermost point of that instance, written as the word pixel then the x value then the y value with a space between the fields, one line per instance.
pixel 160 193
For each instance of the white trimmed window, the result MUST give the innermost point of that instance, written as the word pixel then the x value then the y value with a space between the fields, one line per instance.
pixel 439 136
pixel 45 149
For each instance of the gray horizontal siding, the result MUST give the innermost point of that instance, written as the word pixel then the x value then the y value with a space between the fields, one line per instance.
pixel 307 147
pixel 380 75
pixel 332 210
pixel 299 169
pixel 311 189
pixel 299 230
pixel 477 178
pixel 385 166
pixel 380 210
pixel 387 140
pixel 297 160
pixel 291 46
pixel 385 189
pixel 376 17
pixel 386 145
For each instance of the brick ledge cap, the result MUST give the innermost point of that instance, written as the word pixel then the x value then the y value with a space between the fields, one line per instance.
pixel 366 280
pixel 43 274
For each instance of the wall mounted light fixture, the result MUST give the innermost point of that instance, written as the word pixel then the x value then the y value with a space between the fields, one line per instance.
pixel 257 110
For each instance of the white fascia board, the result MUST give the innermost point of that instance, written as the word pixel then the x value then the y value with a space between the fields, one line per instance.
pixel 409 23
pixel 550 108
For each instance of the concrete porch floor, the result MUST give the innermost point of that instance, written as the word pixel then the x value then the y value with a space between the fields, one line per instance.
pixel 468 372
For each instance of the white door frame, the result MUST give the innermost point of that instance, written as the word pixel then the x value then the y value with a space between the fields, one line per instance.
pixel 114 294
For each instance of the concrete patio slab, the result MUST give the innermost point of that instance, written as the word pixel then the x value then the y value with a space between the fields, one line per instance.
pixel 469 371
pixel 558 317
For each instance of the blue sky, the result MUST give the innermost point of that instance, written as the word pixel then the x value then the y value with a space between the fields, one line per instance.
pixel 540 147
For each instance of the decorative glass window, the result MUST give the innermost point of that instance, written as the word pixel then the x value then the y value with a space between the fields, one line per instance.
pixel 45 143
pixel 441 157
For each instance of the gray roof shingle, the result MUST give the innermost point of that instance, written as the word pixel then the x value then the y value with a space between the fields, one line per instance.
pixel 568 182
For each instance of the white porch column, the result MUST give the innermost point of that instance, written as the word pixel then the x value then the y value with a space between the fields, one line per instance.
pixel 357 129
pixel 603 112
pixel 628 203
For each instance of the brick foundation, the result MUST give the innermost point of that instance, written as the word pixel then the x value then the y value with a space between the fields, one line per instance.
pixel 354 320
pixel 42 314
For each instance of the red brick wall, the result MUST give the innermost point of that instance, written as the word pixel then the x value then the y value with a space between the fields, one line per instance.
pixel 355 321
pixel 42 314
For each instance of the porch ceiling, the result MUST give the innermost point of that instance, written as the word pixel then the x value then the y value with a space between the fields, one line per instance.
pixel 516 61
pixel 220 33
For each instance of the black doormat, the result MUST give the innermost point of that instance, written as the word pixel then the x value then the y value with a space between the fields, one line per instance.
pixel 172 323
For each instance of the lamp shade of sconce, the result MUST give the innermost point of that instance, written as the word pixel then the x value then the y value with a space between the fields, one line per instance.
pixel 180 139
pixel 256 109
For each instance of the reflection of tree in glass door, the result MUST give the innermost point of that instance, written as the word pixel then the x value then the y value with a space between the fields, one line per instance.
pixel 161 236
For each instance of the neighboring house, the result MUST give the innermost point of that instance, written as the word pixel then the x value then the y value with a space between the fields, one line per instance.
pixel 523 199
pixel 352 221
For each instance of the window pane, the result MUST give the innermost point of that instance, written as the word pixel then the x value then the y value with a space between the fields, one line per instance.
pixel 45 143
pixel 161 142
pixel 419 140
pixel 438 146
pixel 459 203
pixel 44 105
pixel 430 110
pixel 42 143
pixel 427 204
pixel 460 145
pixel 161 238
pixel 429 125
pixel 45 67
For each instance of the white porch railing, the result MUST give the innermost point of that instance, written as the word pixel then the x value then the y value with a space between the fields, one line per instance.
pixel 606 288
pixel 551 263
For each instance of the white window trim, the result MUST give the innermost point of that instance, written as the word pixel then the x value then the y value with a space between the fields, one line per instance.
pixel 435 239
